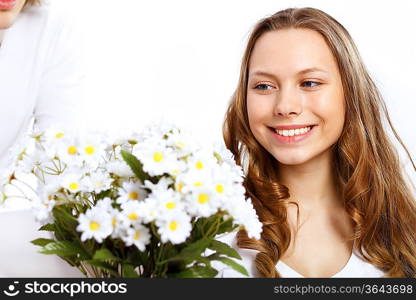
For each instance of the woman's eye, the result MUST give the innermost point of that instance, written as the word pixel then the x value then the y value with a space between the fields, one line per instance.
pixel 310 83
pixel 263 87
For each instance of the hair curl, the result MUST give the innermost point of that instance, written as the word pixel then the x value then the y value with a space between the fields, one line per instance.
pixel 374 191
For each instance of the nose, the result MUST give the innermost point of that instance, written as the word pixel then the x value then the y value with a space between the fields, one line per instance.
pixel 288 103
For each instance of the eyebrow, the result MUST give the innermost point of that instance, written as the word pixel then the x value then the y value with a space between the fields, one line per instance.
pixel 301 72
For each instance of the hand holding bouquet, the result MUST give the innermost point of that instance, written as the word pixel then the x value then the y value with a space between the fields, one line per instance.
pixel 150 204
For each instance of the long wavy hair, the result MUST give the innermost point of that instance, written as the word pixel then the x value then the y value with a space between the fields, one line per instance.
pixel 376 196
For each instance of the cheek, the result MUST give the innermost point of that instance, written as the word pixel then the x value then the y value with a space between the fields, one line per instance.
pixel 258 113
pixel 259 109
pixel 331 110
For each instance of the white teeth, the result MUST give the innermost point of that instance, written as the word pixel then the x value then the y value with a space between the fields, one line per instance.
pixel 292 132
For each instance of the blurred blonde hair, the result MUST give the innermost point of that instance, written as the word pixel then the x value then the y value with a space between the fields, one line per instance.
pixel 32 2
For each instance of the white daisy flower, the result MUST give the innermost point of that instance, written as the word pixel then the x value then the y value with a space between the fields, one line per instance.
pixel 42 210
pixel 31 160
pixel 202 202
pixel 223 183
pixel 157 159
pixel 95 223
pixel 243 213
pixel 54 135
pixel 194 180
pixel 133 211
pixel 175 228
pixel 162 185
pixel 119 168
pixel 97 181
pixel 149 210
pixel 69 151
pixel 201 161
pixel 226 155
pixel 91 149
pixel 183 143
pixel 72 182
pixel 167 202
pixel 139 236
pixel 131 191
pixel 118 220
pixel 178 167
pixel 53 139
pixel 105 204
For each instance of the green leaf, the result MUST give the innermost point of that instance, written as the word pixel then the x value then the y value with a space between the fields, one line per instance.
pixel 65 223
pixel 196 272
pixel 223 248
pixel 227 226
pixel 42 242
pixel 129 272
pixel 194 249
pixel 135 165
pixel 47 227
pixel 104 254
pixel 64 248
pixel 103 194
pixel 236 266
pixel 105 266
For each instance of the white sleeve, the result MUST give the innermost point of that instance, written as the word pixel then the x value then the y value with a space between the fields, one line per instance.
pixel 61 83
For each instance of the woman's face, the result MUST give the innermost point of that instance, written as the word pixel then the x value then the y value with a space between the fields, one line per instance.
pixel 9 10
pixel 295 98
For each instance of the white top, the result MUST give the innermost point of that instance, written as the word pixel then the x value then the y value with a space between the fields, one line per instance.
pixel 41 77
pixel 19 257
pixel 355 266
pixel 40 74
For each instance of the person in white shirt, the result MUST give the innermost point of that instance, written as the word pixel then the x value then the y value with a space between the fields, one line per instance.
pixel 40 82
pixel 306 122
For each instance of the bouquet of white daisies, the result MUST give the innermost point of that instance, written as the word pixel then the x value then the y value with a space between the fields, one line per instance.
pixel 149 204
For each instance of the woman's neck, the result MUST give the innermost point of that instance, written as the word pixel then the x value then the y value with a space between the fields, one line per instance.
pixel 1 35
pixel 312 184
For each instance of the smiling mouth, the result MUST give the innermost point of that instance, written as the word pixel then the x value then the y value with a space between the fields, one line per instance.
pixel 294 131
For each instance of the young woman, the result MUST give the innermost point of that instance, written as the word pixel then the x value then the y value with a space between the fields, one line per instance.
pixel 306 122
pixel 40 79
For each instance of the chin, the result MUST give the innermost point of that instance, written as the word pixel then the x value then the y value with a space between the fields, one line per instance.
pixel 6 20
pixel 291 159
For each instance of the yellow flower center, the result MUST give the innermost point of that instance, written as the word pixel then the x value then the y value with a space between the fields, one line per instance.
pixel 59 135
pixel 219 188
pixel 198 184
pixel 89 150
pixel 179 187
pixel 133 216
pixel 94 226
pixel 173 225
pixel 170 205
pixel 199 165
pixel 136 235
pixel 72 150
pixel 157 157
pixel 114 222
pixel 203 198
pixel 73 186
pixel 133 195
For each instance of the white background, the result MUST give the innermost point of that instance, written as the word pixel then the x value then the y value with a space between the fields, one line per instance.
pixel 179 60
